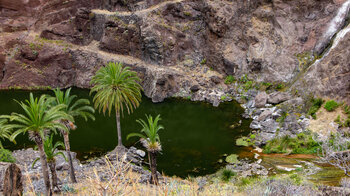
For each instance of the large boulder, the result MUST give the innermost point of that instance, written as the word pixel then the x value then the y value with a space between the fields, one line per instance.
pixel 13 185
pixel 278 97
pixel 261 99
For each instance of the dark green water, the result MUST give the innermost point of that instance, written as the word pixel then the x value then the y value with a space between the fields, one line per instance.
pixel 195 137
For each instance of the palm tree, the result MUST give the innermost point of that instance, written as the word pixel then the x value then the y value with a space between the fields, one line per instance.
pixel 50 151
pixel 116 86
pixel 5 132
pixel 151 141
pixel 75 108
pixel 38 119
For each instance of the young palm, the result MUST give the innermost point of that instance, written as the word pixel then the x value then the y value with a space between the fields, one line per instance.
pixel 38 119
pixel 75 108
pixel 150 140
pixel 50 151
pixel 116 86
pixel 5 132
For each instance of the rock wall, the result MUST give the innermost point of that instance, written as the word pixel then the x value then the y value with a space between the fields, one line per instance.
pixel 174 44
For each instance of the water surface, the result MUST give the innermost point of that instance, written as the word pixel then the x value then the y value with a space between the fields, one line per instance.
pixel 195 137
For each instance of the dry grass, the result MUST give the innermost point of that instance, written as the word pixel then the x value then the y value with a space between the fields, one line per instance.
pixel 117 178
pixel 324 124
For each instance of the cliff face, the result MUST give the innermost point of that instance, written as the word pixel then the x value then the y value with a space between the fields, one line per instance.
pixel 176 44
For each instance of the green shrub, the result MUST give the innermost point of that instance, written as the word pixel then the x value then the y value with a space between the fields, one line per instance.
pixel 282 117
pixel 252 136
pixel 302 144
pixel 316 105
pixel 223 97
pixel 6 156
pixel 267 84
pixel 227 174
pixel 279 86
pixel 244 78
pixel 331 105
pixel 230 79
pixel 246 181
pixel 204 61
pixel 248 85
pixel 296 178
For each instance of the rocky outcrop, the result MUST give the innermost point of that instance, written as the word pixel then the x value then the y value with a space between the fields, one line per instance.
pixel 13 181
pixel 62 43
pixel 330 75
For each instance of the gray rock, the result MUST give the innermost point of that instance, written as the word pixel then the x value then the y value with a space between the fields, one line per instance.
pixel 215 79
pixel 194 88
pixel 264 115
pixel 141 153
pixel 269 126
pixel 261 99
pixel 62 166
pixel 254 125
pixel 278 97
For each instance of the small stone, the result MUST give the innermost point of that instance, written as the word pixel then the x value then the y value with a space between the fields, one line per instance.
pixel 215 79
pixel 141 153
pixel 194 88
pixel 62 166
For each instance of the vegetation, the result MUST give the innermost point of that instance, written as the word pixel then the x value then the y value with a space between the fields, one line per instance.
pixel 302 144
pixel 5 132
pixel 230 79
pixel 116 86
pixel 280 86
pixel 331 105
pixel 38 120
pixel 316 105
pixel 74 108
pixel 282 117
pixel 233 158
pixel 335 151
pixel 50 151
pixel 245 141
pixel 6 156
pixel 227 175
pixel 151 141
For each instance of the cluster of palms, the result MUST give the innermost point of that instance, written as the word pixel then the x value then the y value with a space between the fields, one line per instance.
pixel 41 119
pixel 115 87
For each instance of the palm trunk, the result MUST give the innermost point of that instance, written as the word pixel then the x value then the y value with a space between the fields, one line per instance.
pixel 118 129
pixel 52 165
pixel 154 177
pixel 71 166
pixel 39 143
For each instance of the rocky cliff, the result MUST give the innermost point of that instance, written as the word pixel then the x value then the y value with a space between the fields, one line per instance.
pixel 179 47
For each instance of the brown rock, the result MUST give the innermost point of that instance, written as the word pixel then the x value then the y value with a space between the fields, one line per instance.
pixel 261 99
pixel 278 97
pixel 13 181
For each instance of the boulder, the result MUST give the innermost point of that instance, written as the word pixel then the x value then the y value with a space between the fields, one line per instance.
pixel 13 185
pixel 278 97
pixel 264 115
pixel 3 167
pixel 261 99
